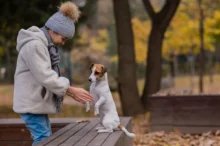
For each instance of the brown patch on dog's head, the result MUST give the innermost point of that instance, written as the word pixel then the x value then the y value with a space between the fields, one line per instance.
pixel 100 70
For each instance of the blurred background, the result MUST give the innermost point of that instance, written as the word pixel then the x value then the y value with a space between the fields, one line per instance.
pixel 149 47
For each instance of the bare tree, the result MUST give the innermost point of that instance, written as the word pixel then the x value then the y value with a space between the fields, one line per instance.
pixel 127 80
pixel 160 22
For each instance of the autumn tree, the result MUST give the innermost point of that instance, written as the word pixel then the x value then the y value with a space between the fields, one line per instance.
pixel 160 21
pixel 127 80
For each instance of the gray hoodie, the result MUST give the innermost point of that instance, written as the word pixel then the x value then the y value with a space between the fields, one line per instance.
pixel 34 74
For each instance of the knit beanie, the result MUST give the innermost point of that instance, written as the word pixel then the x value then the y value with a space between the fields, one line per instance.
pixel 62 22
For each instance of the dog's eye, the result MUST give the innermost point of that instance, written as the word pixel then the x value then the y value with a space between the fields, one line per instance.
pixel 96 73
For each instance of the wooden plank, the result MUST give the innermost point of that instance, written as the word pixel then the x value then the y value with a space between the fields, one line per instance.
pixel 166 128
pixel 118 138
pixel 16 143
pixel 18 133
pixel 72 140
pixel 57 134
pixel 194 111
pixel 100 138
pixel 158 103
pixel 199 117
pixel 15 134
pixel 88 137
pixel 196 103
pixel 66 135
pixel 213 96
pixel 55 122
pixel 15 129
pixel 196 129
pixel 161 116
pixel 124 139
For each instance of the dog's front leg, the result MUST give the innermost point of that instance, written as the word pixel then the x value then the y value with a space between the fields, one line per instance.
pixel 98 103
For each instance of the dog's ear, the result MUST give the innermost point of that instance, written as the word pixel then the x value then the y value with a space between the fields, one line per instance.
pixel 104 69
pixel 91 66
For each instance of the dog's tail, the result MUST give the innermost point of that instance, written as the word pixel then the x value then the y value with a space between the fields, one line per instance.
pixel 126 131
pixel 82 121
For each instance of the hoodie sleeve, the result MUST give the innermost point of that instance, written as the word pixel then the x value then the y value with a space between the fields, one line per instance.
pixel 37 60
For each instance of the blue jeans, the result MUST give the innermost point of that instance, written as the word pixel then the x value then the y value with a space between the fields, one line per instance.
pixel 38 125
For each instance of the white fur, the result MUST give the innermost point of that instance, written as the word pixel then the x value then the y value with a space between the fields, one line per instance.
pixel 104 105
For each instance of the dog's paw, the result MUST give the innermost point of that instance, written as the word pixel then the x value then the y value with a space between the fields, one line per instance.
pixel 99 128
pixel 96 113
pixel 87 110
pixel 105 131
pixel 87 107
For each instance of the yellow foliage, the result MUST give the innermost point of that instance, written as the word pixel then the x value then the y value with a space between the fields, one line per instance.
pixel 213 27
pixel 183 35
pixel 96 42
pixel 114 59
pixel 141 30
pixel 100 43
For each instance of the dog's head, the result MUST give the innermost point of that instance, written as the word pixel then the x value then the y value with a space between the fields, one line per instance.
pixel 97 72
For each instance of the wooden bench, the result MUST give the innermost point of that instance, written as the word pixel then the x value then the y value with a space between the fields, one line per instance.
pixel 189 114
pixel 66 132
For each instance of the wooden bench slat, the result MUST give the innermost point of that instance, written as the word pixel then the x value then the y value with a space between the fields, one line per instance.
pixel 117 138
pixel 88 137
pixel 15 134
pixel 100 138
pixel 204 117
pixel 58 133
pixel 191 113
pixel 112 140
pixel 19 123
pixel 18 133
pixel 16 143
pixel 113 137
pixel 77 136
pixel 66 135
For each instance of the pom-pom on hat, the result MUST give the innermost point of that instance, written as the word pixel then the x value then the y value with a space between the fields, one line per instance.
pixel 62 22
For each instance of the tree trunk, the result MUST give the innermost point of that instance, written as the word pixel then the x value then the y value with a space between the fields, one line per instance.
pixel 171 64
pixel 153 73
pixel 8 68
pixel 160 22
pixel 211 69
pixel 191 61
pixel 127 80
pixel 202 52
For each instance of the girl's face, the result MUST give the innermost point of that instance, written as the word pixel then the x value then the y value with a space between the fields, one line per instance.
pixel 57 38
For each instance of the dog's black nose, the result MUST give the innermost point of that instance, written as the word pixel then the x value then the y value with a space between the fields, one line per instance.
pixel 90 79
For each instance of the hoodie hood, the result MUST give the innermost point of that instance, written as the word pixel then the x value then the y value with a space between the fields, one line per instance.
pixel 30 34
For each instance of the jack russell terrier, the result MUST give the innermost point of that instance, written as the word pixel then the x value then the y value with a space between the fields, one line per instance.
pixel 103 102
